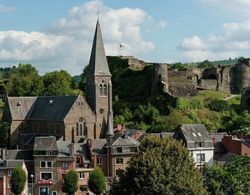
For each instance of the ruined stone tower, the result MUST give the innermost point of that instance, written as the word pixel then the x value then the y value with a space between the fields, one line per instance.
pixel 99 87
pixel 160 80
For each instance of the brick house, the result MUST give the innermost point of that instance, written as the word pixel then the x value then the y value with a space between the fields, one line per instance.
pixel 52 160
pixel 6 168
pixel 113 156
pixel 235 145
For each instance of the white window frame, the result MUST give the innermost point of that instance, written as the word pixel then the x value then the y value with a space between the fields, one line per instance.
pixel 43 187
pixel 198 159
pixel 119 163
pixel 81 174
pixel 54 192
pixel 46 172
pixel 9 172
pixel 46 164
pixel 98 160
pixel 9 184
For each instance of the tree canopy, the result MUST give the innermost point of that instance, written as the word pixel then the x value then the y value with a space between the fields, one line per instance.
pixel 70 182
pixel 18 180
pixel 96 181
pixel 233 178
pixel 4 132
pixel 162 166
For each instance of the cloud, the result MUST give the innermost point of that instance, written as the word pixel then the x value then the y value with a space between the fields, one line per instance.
pixel 66 43
pixel 162 24
pixel 232 41
pixel 6 9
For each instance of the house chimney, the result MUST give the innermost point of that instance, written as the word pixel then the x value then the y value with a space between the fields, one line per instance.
pixel 71 150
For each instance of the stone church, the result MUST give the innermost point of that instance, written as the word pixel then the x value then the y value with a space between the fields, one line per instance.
pixel 70 118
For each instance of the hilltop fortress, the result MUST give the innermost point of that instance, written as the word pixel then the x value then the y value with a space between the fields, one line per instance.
pixel 228 79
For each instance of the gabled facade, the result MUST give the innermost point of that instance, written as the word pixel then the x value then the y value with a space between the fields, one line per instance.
pixel 198 142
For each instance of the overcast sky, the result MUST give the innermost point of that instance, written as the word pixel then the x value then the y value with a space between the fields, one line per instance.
pixel 57 34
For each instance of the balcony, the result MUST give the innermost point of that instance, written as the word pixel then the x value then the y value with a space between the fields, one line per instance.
pixel 45 182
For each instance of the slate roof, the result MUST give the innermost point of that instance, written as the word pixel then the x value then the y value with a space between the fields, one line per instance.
pixel 218 136
pixel 45 143
pixel 52 107
pixel 19 154
pixel 98 146
pixel 98 64
pixel 195 133
pixel 20 106
pixel 226 158
pixel 10 163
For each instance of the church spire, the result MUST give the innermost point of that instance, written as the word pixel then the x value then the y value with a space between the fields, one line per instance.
pixel 98 64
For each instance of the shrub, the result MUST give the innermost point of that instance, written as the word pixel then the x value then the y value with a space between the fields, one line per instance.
pixel 218 105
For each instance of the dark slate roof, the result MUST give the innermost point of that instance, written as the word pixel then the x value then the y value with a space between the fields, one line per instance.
pixel 45 143
pixel 163 134
pixel 219 148
pixel 19 154
pixel 51 108
pixel 20 106
pixel 98 64
pixel 195 133
pixel 10 163
pixel 98 146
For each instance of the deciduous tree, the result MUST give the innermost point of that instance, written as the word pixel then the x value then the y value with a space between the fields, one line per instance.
pixel 18 180
pixel 70 182
pixel 96 181
pixel 162 166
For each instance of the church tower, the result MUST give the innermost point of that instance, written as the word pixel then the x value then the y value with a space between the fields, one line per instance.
pixel 99 87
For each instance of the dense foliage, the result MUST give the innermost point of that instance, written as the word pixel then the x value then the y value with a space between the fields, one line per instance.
pixel 25 81
pixel 96 181
pixel 233 178
pixel 162 166
pixel 4 132
pixel 18 180
pixel 70 182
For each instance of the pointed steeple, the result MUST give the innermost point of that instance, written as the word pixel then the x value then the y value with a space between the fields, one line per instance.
pixel 98 64
pixel 110 130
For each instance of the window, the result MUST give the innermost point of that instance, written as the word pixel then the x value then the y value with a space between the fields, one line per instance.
pixel 54 193
pixel 200 157
pixel 77 129
pixel 81 130
pixel 81 175
pixel 9 172
pixel 49 164
pixel 103 89
pixel 43 190
pixel 46 176
pixel 119 161
pixel 10 193
pixel 9 184
pixel 99 161
pixel 45 164
pixel 199 144
pixel 65 165
pixel 119 150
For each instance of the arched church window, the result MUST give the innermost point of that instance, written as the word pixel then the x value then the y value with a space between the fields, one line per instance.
pixel 103 90
pixel 81 130
pixel 77 129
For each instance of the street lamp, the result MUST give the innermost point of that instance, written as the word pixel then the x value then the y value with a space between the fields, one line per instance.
pixel 32 181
